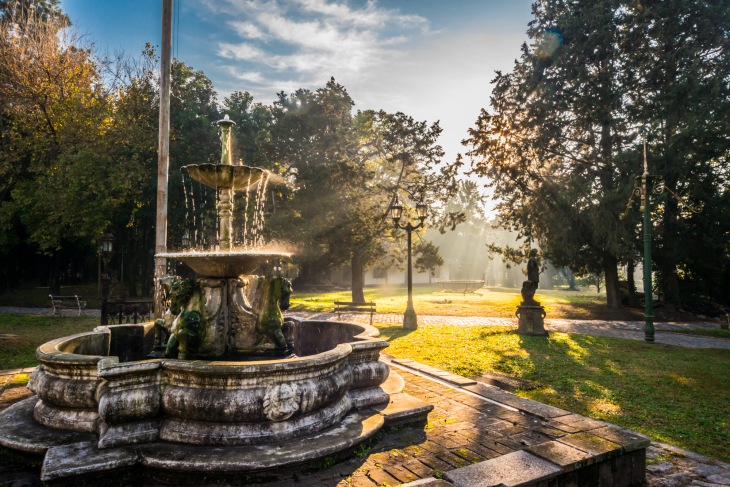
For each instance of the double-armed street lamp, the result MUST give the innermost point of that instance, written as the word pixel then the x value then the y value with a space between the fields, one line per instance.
pixel 641 187
pixel 410 320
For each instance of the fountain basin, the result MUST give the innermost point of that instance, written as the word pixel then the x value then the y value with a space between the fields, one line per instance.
pixel 82 388
pixel 224 176
pixel 224 264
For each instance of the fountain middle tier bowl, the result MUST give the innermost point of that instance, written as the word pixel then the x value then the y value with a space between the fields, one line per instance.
pixel 224 264
pixel 223 176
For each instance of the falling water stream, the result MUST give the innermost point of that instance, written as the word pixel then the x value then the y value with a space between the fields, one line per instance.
pixel 248 237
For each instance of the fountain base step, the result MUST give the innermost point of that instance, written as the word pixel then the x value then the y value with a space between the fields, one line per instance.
pixel 85 458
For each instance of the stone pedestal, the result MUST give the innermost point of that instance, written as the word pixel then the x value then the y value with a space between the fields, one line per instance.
pixel 531 319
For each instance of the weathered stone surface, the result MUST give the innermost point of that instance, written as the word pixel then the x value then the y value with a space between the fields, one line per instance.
pixel 629 440
pixel 368 396
pixel 599 448
pixel 512 470
pixel 84 458
pixel 520 403
pixel 562 455
pixel 531 319
pixel 660 468
pixel 19 431
pixel 394 384
pixel 355 428
pixel 75 391
pixel 403 408
pixel 199 400
pixel 581 422
pixel 429 482
pixel 719 479
pixel 111 436
pixel 83 420
pixel 251 433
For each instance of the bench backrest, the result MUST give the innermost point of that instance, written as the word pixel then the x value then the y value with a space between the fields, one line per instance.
pixel 342 303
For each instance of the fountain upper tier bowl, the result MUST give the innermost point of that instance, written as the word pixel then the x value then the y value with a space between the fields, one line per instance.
pixel 224 264
pixel 223 176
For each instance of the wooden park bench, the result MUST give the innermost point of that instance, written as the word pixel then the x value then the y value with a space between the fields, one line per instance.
pixel 346 307
pixel 67 302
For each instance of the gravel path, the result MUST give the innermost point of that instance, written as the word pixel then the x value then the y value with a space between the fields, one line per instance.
pixel 632 330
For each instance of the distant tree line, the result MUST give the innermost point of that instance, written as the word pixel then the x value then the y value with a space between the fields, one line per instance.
pixel 78 156
pixel 561 142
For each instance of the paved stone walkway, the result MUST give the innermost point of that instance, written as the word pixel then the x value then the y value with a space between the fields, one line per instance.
pixel 632 330
pixel 463 428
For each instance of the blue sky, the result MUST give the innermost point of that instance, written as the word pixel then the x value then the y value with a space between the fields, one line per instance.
pixel 432 59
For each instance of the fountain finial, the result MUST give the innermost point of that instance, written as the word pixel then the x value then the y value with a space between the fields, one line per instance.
pixel 226 122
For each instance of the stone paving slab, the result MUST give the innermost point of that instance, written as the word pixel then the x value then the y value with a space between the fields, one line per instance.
pixel 512 470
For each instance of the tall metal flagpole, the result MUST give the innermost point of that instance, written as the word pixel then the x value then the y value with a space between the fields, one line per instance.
pixel 163 152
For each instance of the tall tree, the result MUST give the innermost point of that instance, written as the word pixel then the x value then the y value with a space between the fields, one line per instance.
pixel 346 168
pixel 65 161
pixel 552 141
pixel 679 66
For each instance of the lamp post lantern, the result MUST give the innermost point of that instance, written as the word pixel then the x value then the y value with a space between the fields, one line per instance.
pixel 106 245
pixel 641 189
pixel 410 320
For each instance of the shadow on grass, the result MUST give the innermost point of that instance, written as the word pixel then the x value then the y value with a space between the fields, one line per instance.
pixel 679 395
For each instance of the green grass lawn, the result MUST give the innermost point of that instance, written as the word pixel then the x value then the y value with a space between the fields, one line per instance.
pixel 488 301
pixel 21 335
pixel 673 394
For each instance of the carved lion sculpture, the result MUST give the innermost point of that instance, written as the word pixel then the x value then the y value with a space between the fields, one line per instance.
pixel 281 401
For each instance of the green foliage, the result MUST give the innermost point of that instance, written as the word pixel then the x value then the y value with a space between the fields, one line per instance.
pixel 345 168
pixel 428 258
pixel 561 144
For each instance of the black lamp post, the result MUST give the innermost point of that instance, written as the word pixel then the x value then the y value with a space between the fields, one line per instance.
pixel 410 320
pixel 106 244
pixel 185 240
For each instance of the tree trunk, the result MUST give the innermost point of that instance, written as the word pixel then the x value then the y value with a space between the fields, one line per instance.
pixel 55 274
pixel 632 284
pixel 358 295
pixel 610 269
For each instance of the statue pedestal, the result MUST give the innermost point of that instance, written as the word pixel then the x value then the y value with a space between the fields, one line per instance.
pixel 531 318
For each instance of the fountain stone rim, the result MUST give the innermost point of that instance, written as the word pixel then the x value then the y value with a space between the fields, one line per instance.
pixel 225 264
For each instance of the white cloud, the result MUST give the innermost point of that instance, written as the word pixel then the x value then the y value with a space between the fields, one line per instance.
pixel 247 29
pixel 251 76
pixel 240 51
pixel 371 15
pixel 304 37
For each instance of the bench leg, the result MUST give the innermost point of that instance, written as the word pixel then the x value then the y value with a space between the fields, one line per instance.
pixel 371 319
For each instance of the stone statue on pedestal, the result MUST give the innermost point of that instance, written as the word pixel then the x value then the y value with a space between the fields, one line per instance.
pixel 530 312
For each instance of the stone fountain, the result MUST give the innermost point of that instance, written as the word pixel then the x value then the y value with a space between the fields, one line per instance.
pixel 224 383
